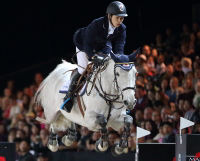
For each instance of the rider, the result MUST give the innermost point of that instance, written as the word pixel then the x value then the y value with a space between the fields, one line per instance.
pixel 97 37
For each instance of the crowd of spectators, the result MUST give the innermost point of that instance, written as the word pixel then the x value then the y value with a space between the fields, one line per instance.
pixel 168 88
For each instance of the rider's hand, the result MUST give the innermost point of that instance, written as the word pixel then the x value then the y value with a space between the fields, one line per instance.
pixel 97 60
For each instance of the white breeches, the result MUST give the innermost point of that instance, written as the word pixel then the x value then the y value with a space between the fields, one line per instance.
pixel 82 60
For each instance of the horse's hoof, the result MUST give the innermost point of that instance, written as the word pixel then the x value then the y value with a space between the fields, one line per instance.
pixel 66 141
pixel 54 146
pixel 116 150
pixel 99 148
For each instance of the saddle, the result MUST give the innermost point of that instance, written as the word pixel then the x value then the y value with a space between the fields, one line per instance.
pixel 80 87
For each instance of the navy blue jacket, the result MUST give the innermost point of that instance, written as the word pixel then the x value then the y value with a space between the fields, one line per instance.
pixel 95 34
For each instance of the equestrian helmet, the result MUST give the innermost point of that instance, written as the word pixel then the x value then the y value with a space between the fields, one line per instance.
pixel 117 8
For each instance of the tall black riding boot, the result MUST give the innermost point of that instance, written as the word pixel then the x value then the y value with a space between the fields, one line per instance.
pixel 69 98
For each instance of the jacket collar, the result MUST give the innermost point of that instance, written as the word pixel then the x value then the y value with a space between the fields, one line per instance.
pixel 106 26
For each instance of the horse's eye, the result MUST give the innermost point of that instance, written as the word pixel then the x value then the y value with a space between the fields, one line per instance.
pixel 117 74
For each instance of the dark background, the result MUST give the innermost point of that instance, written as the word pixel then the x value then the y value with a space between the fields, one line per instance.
pixel 36 35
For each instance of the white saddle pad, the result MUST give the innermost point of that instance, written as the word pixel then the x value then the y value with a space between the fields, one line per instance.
pixel 65 87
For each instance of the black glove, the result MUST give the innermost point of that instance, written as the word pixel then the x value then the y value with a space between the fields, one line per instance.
pixel 97 60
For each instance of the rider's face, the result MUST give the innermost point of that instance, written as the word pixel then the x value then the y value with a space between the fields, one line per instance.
pixel 116 20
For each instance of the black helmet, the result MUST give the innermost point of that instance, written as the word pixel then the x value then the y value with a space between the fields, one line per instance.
pixel 117 8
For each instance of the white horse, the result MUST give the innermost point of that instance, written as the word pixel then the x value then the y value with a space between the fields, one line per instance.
pixel 117 79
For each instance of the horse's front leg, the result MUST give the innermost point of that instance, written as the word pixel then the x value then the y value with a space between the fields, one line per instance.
pixel 102 143
pixel 118 148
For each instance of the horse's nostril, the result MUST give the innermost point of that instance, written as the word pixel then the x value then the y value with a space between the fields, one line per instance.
pixel 125 102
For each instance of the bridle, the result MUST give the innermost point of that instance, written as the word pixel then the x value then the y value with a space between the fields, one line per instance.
pixel 109 98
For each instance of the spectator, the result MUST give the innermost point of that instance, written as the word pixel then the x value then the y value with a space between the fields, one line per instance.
pixel 158 105
pixel 139 115
pixel 156 117
pixel 186 65
pixel 5 108
pixel 188 109
pixel 179 90
pixel 152 127
pixel 181 104
pixel 172 92
pixel 169 72
pixel 20 134
pixel 7 93
pixel 85 135
pixel 164 85
pixel 154 53
pixel 19 98
pixel 159 136
pixel 17 148
pixel 151 98
pixel 133 129
pixel 25 154
pixel 197 77
pixel 41 145
pixel 159 44
pixel 146 50
pixel 11 136
pixel 131 144
pixel 15 109
pixel 3 134
pixel 11 86
pixel 164 113
pixel 160 67
pixel 185 35
pixel 141 99
pixel 169 136
pixel 197 95
pixel 187 85
pixel 149 85
pixel 176 120
pixel 26 104
pixel 90 143
pixel 148 113
pixel 21 124
pixel 196 115
pixel 141 78
pixel 113 137
pixel 160 96
pixel 38 79
pixel 151 64
pixel 141 124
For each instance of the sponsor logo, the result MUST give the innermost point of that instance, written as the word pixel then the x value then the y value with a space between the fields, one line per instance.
pixel 121 7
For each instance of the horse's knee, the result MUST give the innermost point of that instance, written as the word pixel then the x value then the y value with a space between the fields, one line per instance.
pixel 128 120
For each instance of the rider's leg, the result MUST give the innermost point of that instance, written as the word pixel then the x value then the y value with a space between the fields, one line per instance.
pixel 82 60
pixel 68 99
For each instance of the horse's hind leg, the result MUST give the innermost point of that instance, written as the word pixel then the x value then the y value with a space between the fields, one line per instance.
pixel 61 124
pixel 71 137
pixel 102 143
pixel 118 148
pixel 53 142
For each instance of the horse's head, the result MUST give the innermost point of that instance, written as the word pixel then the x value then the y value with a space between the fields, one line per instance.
pixel 125 77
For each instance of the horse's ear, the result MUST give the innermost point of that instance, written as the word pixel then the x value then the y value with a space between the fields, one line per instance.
pixel 113 56
pixel 133 55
